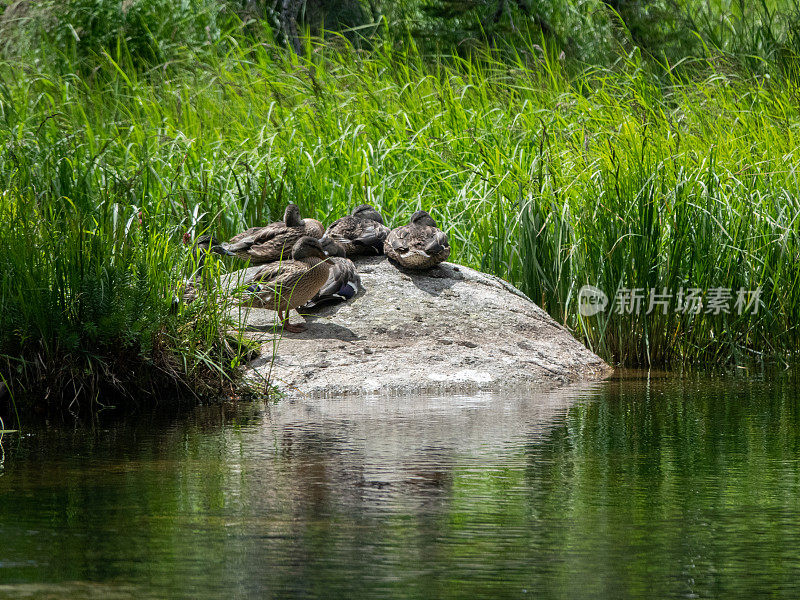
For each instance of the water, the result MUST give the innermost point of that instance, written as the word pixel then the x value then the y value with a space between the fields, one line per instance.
pixel 634 488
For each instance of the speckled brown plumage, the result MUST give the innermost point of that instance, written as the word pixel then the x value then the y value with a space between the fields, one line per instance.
pixel 343 281
pixel 418 245
pixel 285 285
pixel 361 232
pixel 191 287
pixel 274 242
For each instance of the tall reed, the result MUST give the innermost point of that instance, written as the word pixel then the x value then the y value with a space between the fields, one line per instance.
pixel 617 177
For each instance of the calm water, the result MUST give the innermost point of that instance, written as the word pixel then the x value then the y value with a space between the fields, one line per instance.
pixel 634 488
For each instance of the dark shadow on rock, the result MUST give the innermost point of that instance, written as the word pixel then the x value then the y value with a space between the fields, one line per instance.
pixel 271 328
pixel 261 361
pixel 431 281
pixel 331 308
pixel 316 329
pixel 319 329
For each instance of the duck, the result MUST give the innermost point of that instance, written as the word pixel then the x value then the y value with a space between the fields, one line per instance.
pixel 361 232
pixel 418 245
pixel 205 244
pixel 274 241
pixel 284 286
pixel 192 285
pixel 343 281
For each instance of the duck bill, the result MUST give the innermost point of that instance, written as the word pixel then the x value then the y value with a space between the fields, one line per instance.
pixel 222 250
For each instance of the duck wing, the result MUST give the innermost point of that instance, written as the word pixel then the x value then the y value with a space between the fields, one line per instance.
pixel 371 236
pixel 276 279
pixel 245 234
pixel 343 280
pixel 434 242
pixel 259 235
pixel 416 247
pixel 342 230
pixel 357 235
pixel 343 283
pixel 399 240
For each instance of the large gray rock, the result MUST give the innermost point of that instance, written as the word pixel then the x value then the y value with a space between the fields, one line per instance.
pixel 450 329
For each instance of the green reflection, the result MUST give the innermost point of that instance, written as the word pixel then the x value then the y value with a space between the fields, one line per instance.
pixel 672 487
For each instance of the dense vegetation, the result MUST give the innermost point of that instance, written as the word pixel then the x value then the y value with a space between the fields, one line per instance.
pixel 125 126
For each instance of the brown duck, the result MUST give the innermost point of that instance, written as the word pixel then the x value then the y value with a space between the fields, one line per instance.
pixel 285 285
pixel 418 245
pixel 343 281
pixel 361 232
pixel 274 241
pixel 197 280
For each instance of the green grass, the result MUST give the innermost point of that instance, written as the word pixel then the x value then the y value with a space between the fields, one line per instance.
pixel 614 177
pixel 90 264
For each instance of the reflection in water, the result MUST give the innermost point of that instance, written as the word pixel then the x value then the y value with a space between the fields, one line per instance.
pixel 672 487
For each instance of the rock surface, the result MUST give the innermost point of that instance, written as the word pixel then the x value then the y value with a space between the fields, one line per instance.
pixel 449 329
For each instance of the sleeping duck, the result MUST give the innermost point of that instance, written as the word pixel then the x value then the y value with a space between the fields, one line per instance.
pixel 274 241
pixel 283 286
pixel 343 279
pixel 418 245
pixel 361 232
pixel 200 249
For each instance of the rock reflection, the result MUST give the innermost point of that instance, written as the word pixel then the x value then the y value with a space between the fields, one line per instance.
pixel 639 487
pixel 401 451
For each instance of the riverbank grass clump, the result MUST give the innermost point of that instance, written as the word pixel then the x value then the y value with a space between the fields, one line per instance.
pixel 92 280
